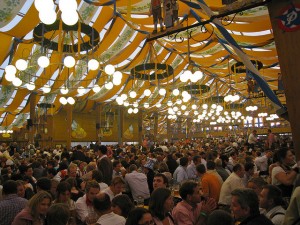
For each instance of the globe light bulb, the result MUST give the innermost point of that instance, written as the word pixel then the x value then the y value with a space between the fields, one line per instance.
pixel 21 64
pixel 146 105
pixel 63 100
pixel 93 64
pixel 176 92
pixel 10 77
pixel 64 90
pixel 71 100
pixel 30 86
pixel 124 96
pixel 47 17
pixel 81 90
pixel 130 110
pixel 109 69
pixel 126 103
pixel 65 5
pixel 11 70
pixel 43 61
pixel 17 82
pixel 69 61
pixel 135 104
pixel 109 85
pixel 117 75
pixel 147 92
pixel 96 88
pixel 132 94
pixel 46 89
pixel 158 105
pixel 116 81
pixel 69 18
pixel 136 110
pixel 162 91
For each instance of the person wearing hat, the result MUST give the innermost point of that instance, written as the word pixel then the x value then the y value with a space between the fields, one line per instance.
pixel 148 169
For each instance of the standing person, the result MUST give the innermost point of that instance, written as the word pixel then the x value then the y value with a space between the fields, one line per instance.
pixel 252 139
pixel 271 140
pixel 105 165
pixel 191 210
pixel 11 204
pixel 36 210
pixel 245 208
pixel 160 205
pixel 155 10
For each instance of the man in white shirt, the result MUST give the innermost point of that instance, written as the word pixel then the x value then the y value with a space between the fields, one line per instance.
pixel 116 187
pixel 261 162
pixel 252 139
pixel 180 174
pixel 102 206
pixel 137 183
pixel 234 181
pixel 271 200
pixel 191 169
pixel 84 205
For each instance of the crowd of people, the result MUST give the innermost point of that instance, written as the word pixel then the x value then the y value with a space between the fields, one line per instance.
pixel 211 181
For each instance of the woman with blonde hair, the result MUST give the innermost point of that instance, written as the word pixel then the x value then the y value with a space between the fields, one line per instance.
pixel 36 210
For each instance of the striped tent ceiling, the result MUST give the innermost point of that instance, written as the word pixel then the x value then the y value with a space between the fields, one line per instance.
pixel 124 28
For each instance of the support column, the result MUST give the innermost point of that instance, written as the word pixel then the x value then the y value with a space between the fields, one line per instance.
pixel 98 122
pixel 288 49
pixel 69 109
pixel 187 128
pixel 140 127
pixel 120 125
pixel 155 126
pixel 169 131
pixel 33 121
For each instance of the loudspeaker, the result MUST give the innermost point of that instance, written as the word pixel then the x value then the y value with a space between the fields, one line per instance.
pixel 29 122
pixel 97 125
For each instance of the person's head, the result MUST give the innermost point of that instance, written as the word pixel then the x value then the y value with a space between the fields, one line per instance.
pixel 139 216
pixel 10 187
pixel 270 196
pixel 285 156
pixel 97 176
pixel 200 169
pixel 219 215
pixel 160 181
pixel 117 185
pixel 102 150
pixel 189 191
pixel 63 192
pixel 20 188
pixel 254 132
pixel 256 184
pixel 58 214
pixel 184 161
pixel 244 203
pixel 92 188
pixel 269 131
pixel 122 205
pixel 249 168
pixel 132 168
pixel 161 202
pixel 117 166
pixel 163 167
pixel 197 159
pixel 239 170
pixel 39 204
pixel 43 184
pixel 51 173
pixel 102 203
pixel 72 170
pixel 211 165
pixel 28 171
